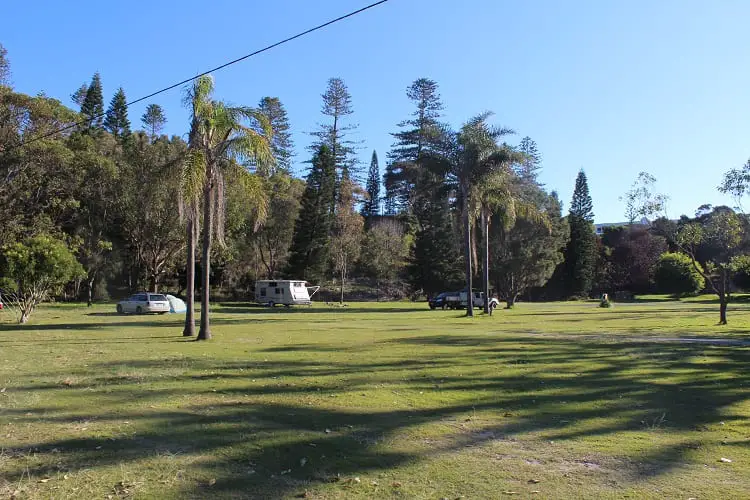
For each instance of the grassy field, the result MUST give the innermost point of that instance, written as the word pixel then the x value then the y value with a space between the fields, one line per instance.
pixel 379 400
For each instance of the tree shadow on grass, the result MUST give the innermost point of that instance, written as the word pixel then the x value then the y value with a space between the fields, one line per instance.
pixel 254 442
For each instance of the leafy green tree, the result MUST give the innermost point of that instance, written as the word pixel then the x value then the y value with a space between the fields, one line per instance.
pixel 641 201
pixel 526 254
pixel 154 119
pixel 714 243
pixel 33 270
pixel 273 241
pixel 371 207
pixel 310 250
pixel 631 255
pixel 282 144
pixel 346 232
pixel 38 182
pixel 218 137
pixel 98 193
pixel 676 274
pixel 116 121
pixel 92 106
pixel 149 194
pixel 580 254
pixel 337 105
pixel 384 252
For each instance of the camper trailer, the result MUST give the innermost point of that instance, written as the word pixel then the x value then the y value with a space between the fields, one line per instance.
pixel 287 292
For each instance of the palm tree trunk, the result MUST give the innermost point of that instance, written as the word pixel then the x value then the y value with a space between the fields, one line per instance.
pixel 486 261
pixel 467 255
pixel 208 223
pixel 189 330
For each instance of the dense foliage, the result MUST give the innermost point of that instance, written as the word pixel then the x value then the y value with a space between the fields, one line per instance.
pixel 453 209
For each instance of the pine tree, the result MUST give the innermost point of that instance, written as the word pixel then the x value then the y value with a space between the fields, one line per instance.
pixel 371 207
pixel 4 66
pixel 153 119
pixel 93 104
pixel 282 144
pixel 581 251
pixel 79 95
pixel 581 204
pixel 337 104
pixel 419 137
pixel 116 120
pixel 529 168
pixel 435 263
pixel 310 250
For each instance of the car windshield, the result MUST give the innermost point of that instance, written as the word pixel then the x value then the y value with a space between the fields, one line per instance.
pixel 157 298
pixel 441 295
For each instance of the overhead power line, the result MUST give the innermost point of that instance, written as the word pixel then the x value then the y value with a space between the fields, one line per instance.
pixel 187 80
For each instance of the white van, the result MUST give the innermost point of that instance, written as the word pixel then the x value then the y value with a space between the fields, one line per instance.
pixel 287 292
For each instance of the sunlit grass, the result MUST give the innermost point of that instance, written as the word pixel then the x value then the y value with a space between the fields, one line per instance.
pixel 379 400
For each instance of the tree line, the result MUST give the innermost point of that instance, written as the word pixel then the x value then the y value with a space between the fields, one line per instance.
pixel 104 209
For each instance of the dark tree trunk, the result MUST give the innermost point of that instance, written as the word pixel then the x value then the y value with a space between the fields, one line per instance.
pixel 510 301
pixel 467 255
pixel 722 310
pixel 486 261
pixel 208 223
pixel 189 330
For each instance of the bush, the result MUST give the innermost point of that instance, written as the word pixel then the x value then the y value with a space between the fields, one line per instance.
pixel 676 274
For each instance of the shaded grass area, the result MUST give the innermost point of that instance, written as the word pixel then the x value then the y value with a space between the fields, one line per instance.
pixel 378 400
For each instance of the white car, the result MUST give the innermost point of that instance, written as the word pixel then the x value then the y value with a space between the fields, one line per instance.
pixel 143 303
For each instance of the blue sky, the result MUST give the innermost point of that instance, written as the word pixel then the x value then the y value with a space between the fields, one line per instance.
pixel 615 87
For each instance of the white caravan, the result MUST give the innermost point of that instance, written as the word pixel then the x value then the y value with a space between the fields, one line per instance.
pixel 287 292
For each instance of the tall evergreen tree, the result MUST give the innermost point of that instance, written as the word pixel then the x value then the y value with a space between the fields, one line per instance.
pixel 389 200
pixel 528 169
pixel 116 120
pixel 309 253
pixel 79 95
pixel 93 104
pixel 337 104
pixel 281 144
pixel 580 253
pixel 581 204
pixel 419 136
pixel 371 207
pixel 4 66
pixel 154 119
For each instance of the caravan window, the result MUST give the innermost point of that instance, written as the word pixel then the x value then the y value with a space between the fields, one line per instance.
pixel 298 284
pixel 262 292
pixel 272 284
pixel 278 291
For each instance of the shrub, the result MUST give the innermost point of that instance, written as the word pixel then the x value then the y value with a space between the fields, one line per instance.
pixel 676 274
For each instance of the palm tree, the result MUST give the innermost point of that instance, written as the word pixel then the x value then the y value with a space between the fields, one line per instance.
pixel 219 139
pixel 472 161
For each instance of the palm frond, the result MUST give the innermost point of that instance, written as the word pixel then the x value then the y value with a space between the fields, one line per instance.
pixel 192 176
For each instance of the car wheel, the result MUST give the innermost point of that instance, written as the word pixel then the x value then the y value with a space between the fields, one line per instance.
pixel 138 310
pixel 119 309
pixel 163 312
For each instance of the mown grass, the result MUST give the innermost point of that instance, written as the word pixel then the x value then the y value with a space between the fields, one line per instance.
pixel 379 400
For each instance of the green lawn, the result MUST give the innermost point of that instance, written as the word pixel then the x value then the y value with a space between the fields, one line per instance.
pixel 379 400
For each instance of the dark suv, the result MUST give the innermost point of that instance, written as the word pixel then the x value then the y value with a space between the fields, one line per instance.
pixel 445 300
